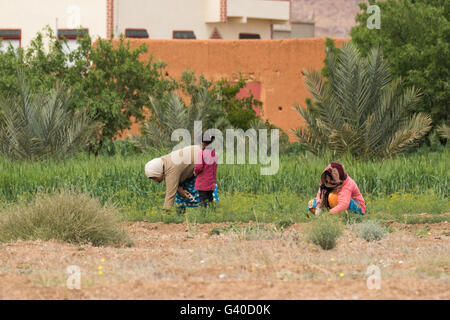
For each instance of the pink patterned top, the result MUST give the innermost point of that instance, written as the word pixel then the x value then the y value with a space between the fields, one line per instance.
pixel 206 170
pixel 348 191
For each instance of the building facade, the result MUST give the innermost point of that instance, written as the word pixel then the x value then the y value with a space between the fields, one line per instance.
pixel 20 20
pixel 200 19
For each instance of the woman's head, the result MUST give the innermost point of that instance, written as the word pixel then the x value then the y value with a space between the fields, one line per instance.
pixel 207 139
pixel 154 169
pixel 334 175
pixel 331 180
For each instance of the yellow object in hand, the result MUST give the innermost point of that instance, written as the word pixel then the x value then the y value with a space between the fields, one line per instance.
pixel 333 199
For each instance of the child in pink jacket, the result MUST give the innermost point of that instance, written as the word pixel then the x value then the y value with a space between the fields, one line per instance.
pixel 206 171
pixel 335 179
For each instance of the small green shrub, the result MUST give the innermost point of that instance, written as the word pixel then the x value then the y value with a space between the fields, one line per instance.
pixel 324 231
pixel 63 216
pixel 370 230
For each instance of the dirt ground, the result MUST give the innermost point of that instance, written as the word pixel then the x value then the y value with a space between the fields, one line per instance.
pixel 182 261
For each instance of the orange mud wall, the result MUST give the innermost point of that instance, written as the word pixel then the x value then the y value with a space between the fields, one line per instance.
pixel 275 64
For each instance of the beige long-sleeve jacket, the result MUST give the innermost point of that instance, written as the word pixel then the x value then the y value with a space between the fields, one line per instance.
pixel 178 167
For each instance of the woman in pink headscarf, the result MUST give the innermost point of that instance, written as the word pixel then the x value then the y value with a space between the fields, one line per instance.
pixel 335 180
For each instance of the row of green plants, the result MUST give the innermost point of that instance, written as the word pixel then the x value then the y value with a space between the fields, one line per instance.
pixel 106 176
pixel 414 183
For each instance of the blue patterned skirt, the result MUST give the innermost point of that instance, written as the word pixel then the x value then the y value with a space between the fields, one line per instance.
pixel 189 185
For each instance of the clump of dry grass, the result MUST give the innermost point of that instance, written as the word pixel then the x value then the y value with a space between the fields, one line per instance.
pixel 63 216
pixel 257 232
pixel 324 231
pixel 370 230
pixel 249 232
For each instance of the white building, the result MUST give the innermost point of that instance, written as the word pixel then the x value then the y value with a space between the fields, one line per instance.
pixel 20 20
pixel 200 19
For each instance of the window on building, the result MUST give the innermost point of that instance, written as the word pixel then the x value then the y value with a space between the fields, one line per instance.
pixel 136 33
pixel 183 35
pixel 249 36
pixel 70 36
pixel 9 37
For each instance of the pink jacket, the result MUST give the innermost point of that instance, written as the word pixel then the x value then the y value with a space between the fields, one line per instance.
pixel 206 170
pixel 348 191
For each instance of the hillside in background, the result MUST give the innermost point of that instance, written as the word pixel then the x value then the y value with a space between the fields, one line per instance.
pixel 333 18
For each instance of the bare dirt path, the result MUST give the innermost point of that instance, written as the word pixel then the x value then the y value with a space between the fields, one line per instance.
pixel 180 261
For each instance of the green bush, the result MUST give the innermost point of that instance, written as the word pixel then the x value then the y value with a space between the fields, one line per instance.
pixel 370 230
pixel 414 37
pixel 63 216
pixel 324 231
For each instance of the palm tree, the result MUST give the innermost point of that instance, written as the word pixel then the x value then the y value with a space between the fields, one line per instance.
pixel 171 113
pixel 205 104
pixel 359 109
pixel 39 126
